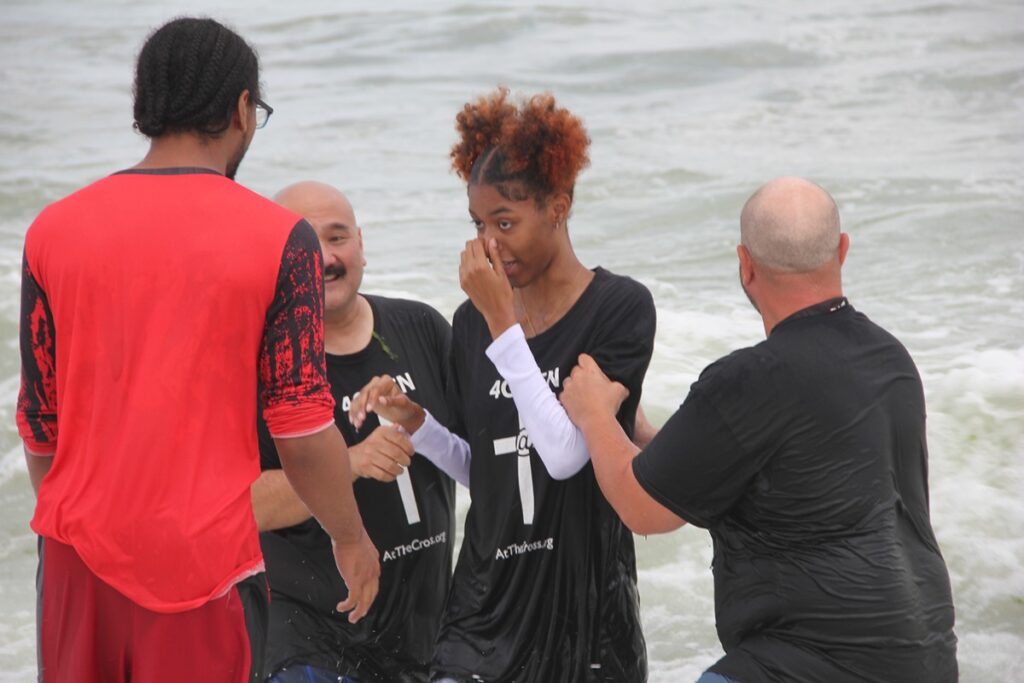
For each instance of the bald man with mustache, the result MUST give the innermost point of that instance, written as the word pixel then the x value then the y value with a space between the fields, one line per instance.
pixel 406 502
pixel 805 458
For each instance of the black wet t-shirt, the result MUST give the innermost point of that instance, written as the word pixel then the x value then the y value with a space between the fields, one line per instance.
pixel 411 523
pixel 805 458
pixel 549 594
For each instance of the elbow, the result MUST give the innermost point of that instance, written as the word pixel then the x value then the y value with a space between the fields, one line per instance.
pixel 571 456
pixel 647 525
pixel 628 514
pixel 563 471
pixel 638 526
pixel 262 523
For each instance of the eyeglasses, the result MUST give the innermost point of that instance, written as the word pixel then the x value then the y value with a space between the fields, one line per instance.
pixel 263 112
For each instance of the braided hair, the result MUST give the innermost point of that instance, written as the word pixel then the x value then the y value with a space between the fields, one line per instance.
pixel 189 76
pixel 533 148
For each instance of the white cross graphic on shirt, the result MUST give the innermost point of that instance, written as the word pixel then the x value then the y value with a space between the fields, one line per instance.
pixel 520 445
pixel 404 481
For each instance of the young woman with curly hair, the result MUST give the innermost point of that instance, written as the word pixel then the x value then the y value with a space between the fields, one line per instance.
pixel 545 585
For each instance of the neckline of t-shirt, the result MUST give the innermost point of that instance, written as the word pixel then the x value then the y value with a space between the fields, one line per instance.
pixel 169 170
pixel 599 272
pixel 839 303
pixel 362 354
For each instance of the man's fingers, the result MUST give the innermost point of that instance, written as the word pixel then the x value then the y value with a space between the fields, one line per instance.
pixel 389 451
pixel 621 388
pixel 359 605
pixel 391 456
pixel 401 443
pixel 587 362
pixel 362 604
pixel 382 473
pixel 359 566
pixel 346 604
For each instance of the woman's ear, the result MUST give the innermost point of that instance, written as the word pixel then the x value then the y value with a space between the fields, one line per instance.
pixel 560 205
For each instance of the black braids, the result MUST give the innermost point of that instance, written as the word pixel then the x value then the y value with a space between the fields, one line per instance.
pixel 236 75
pixel 196 99
pixel 189 76
pixel 150 101
pixel 207 81
pixel 183 76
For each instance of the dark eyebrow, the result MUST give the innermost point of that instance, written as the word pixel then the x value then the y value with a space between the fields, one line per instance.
pixel 337 225
pixel 501 209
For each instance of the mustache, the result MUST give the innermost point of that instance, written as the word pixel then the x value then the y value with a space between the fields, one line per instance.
pixel 335 269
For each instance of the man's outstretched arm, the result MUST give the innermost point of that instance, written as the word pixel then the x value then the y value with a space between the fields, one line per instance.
pixel 317 468
pixel 592 400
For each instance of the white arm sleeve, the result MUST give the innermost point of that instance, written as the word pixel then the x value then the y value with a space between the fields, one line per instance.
pixel 558 442
pixel 450 453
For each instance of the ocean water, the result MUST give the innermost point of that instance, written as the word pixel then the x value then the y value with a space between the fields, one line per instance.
pixel 911 112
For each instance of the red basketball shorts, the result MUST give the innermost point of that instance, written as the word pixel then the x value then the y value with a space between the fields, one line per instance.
pixel 90 633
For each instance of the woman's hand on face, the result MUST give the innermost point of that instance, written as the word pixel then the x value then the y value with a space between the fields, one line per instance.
pixel 483 279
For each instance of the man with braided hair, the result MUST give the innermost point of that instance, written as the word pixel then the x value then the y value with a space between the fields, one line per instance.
pixel 142 349
pixel 545 585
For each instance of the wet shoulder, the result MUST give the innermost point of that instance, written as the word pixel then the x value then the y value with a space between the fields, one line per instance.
pixel 405 310
pixel 402 316
pixel 739 374
pixel 467 318
pixel 612 289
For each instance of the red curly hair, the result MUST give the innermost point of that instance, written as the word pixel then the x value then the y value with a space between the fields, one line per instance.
pixel 531 149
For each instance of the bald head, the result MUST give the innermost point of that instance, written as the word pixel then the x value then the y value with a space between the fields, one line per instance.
pixel 310 198
pixel 792 225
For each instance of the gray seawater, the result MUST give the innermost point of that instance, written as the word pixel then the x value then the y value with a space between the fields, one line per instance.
pixel 910 111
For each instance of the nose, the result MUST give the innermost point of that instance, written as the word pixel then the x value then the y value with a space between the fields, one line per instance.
pixel 489 232
pixel 328 254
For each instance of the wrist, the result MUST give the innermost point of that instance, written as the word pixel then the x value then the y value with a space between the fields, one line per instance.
pixel 413 423
pixel 499 321
pixel 591 421
pixel 354 461
pixel 499 327
pixel 350 537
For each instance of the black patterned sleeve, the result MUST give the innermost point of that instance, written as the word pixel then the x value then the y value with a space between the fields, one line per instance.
pixel 295 396
pixel 37 399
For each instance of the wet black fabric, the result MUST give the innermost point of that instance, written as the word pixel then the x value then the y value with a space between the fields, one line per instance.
pixel 805 457
pixel 395 640
pixel 554 599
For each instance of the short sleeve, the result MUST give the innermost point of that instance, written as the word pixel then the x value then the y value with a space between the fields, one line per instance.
pixel 695 466
pixel 454 359
pixel 37 398
pixel 624 342
pixel 296 397
pixel 443 335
